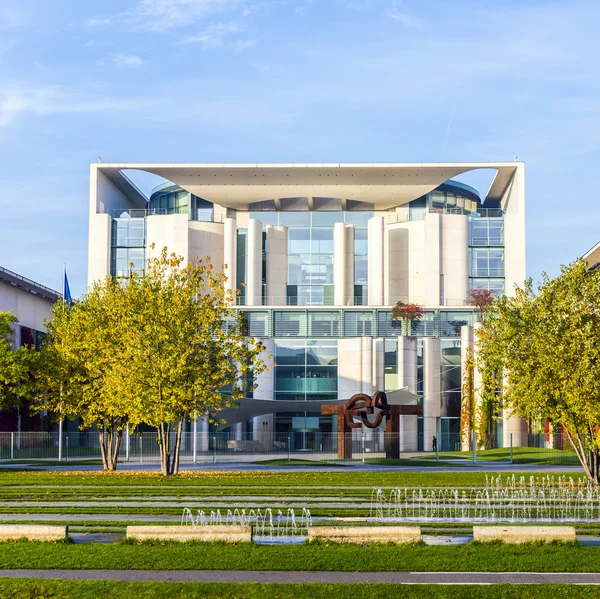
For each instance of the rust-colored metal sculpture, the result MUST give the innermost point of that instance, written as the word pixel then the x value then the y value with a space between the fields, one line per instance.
pixel 360 406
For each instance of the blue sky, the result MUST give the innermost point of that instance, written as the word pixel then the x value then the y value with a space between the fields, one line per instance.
pixel 293 81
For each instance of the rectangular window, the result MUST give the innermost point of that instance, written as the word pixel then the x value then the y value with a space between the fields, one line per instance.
pixel 289 324
pixel 305 370
pixel 358 324
pixel 323 324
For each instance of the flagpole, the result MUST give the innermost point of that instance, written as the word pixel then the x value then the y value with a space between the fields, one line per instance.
pixel 60 422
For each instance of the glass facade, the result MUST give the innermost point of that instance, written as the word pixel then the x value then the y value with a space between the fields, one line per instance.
pixel 306 370
pixel 172 199
pixel 128 246
pixel 310 251
pixel 486 249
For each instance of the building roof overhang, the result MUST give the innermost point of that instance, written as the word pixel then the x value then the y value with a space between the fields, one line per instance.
pixel 384 185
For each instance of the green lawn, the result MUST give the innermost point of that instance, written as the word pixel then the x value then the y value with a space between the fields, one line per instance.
pixel 309 556
pixel 236 481
pixel 54 589
pixel 521 455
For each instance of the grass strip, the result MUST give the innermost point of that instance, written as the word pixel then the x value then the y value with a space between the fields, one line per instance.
pixel 474 557
pixel 55 589
pixel 240 479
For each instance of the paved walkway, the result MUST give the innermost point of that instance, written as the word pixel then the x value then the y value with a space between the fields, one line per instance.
pixel 455 578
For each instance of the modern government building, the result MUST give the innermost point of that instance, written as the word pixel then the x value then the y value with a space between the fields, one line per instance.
pixel 320 254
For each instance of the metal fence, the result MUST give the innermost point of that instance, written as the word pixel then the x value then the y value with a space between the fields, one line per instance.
pixel 365 446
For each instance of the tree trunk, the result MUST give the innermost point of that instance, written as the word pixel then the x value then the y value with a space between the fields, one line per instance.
pixel 102 447
pixel 117 448
pixel 109 444
pixel 164 441
pixel 175 467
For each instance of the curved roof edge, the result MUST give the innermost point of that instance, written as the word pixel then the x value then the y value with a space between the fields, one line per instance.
pixel 386 185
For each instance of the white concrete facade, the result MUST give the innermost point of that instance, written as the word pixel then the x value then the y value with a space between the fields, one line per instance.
pixel 302 269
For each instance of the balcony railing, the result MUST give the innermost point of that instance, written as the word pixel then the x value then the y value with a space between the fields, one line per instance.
pixel 144 212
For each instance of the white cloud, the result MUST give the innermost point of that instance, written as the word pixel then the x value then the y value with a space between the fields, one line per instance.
pixel 166 15
pixel 403 17
pixel 16 102
pixel 217 35
pixel 127 61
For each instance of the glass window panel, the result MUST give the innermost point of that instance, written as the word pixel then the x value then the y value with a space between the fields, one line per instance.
pixel 361 267
pixel 496 231
pixel 324 324
pixel 326 219
pixel 324 353
pixel 322 241
pixel 289 324
pixel 289 352
pixel 266 218
pixel 294 219
pixel 358 219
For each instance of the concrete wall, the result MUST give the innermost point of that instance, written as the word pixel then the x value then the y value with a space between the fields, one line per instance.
pixel 364 535
pixel 407 377
pixel 350 364
pixel 210 534
pixel 349 276
pixel 254 265
pixel 104 197
pixel 513 203
pixel 230 253
pixel 433 258
pixel 206 240
pixel 32 532
pixel 262 427
pixel 277 265
pixel 340 258
pixel 170 231
pixel 431 391
pixel 455 259
pixel 31 310
pixel 375 261
pixel 524 534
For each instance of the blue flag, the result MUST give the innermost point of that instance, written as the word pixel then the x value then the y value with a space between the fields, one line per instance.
pixel 67 291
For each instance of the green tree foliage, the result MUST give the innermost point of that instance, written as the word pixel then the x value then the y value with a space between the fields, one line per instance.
pixel 547 346
pixel 15 366
pixel 76 377
pixel 185 355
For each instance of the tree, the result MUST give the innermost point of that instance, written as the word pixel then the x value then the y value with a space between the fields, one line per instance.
pixel 76 375
pixel 407 313
pixel 481 299
pixel 16 366
pixel 185 355
pixel 468 407
pixel 546 346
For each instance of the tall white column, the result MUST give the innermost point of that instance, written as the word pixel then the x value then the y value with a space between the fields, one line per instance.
pixel 367 365
pixel 431 391
pixel 513 203
pixel 375 260
pixel 230 253
pixel 378 365
pixel 349 367
pixel 515 426
pixel 349 294
pixel 254 269
pixel 455 259
pixel 407 378
pixel 339 264
pixel 433 233
pixel 277 263
pixel 262 426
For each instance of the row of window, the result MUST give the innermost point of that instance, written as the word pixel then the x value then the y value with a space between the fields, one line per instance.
pixel 352 323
